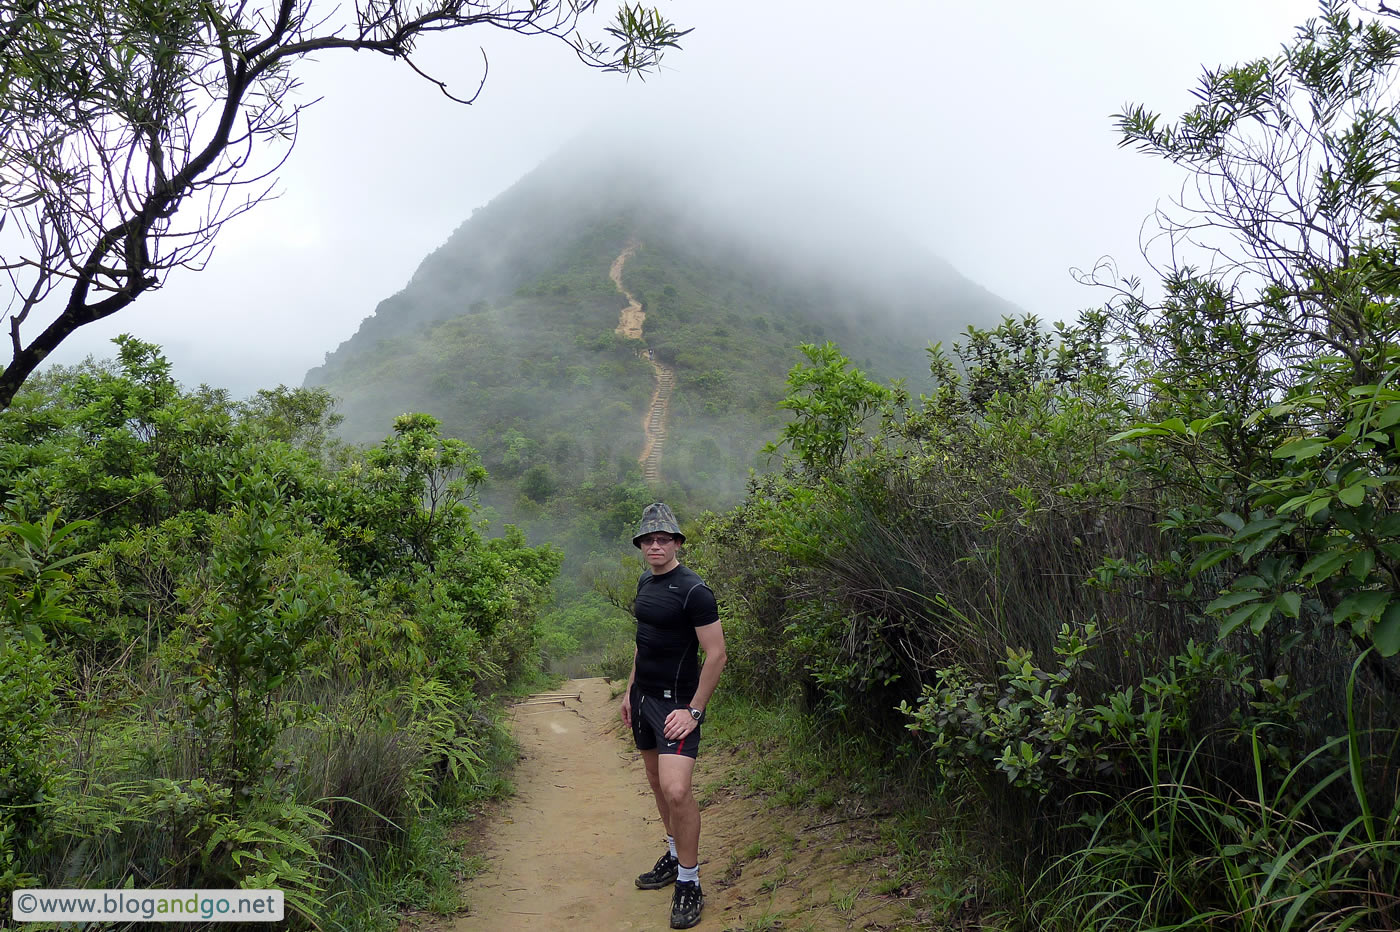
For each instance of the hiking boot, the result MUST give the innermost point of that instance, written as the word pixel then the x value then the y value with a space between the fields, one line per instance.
pixel 659 876
pixel 686 904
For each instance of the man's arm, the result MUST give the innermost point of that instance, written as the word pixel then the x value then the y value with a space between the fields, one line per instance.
pixel 632 677
pixel 680 723
pixel 711 639
pixel 627 695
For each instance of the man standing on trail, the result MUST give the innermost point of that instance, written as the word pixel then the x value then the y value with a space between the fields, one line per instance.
pixel 666 696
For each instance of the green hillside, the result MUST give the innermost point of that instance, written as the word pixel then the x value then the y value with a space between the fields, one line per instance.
pixel 506 333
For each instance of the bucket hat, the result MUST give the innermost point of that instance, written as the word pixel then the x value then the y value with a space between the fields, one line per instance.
pixel 657 517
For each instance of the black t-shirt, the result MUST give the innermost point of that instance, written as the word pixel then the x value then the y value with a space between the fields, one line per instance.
pixel 668 609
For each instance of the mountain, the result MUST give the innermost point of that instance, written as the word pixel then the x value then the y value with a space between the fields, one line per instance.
pixel 509 332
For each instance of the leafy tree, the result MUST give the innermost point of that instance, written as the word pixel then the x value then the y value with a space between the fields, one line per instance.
pixel 830 402
pixel 130 131
pixel 300 417
pixel 1293 208
pixel 271 592
pixel 538 483
pixel 1278 363
pixel 413 494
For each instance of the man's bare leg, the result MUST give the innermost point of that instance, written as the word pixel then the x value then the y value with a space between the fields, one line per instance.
pixel 649 759
pixel 681 812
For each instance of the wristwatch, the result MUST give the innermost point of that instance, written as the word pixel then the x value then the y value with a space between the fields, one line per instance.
pixel 698 715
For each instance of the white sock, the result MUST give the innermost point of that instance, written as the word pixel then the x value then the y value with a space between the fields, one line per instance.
pixel 689 874
pixel 671 844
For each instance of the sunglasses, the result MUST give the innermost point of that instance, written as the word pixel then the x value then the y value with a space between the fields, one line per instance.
pixel 657 539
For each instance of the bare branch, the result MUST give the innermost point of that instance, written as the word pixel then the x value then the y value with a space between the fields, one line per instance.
pixel 125 125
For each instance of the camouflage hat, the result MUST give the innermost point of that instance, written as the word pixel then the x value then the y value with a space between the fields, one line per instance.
pixel 657 517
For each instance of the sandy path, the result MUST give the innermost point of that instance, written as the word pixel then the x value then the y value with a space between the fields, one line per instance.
pixel 630 321
pixel 581 826
pixel 629 324
pixel 564 850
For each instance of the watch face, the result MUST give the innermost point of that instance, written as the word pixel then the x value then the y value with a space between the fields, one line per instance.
pixel 695 714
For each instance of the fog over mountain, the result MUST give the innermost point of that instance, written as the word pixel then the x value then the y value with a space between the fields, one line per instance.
pixel 790 231
pixel 983 132
pixel 508 332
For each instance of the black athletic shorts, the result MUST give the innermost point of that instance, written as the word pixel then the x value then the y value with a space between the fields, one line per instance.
pixel 649 726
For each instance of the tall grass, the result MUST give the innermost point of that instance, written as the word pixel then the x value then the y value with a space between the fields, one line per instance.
pixel 1174 856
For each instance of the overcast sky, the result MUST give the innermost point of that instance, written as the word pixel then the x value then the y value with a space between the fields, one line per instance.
pixel 982 129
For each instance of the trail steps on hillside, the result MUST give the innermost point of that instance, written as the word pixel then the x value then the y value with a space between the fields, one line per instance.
pixel 630 324
pixel 655 426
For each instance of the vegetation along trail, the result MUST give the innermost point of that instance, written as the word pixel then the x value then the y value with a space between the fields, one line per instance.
pixel 629 324
pixel 562 854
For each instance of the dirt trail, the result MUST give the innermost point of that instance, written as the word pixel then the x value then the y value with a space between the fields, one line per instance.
pixel 564 850
pixel 630 324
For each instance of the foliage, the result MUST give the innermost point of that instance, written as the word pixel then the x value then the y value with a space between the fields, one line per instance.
pixel 829 403
pixel 263 594
pixel 1035 728
pixel 1290 438
pixel 1187 503
pixel 34 586
pixel 880 562
pixel 925 570
pixel 409 498
pixel 274 660
pixel 1321 537
pixel 584 633
pixel 1173 856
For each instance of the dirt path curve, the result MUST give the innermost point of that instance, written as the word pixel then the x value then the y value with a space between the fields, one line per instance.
pixel 630 324
pixel 582 824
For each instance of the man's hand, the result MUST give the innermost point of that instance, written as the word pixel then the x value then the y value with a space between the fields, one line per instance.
pixel 627 708
pixel 679 724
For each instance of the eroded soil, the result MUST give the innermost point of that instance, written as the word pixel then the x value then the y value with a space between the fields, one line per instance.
pixel 630 322
pixel 632 318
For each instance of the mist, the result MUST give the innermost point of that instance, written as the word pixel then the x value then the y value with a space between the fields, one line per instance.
pixel 984 134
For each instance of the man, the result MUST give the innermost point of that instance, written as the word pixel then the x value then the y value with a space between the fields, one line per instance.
pixel 666 696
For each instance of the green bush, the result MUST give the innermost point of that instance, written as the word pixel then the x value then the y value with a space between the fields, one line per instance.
pixel 275 660
pixel 1035 728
